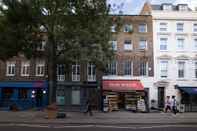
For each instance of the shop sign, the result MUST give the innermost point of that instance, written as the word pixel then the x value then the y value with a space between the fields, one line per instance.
pixel 122 85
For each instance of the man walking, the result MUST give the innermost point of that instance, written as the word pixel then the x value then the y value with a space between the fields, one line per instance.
pixel 174 105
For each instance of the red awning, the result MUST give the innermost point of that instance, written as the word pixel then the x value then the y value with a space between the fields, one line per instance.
pixel 122 85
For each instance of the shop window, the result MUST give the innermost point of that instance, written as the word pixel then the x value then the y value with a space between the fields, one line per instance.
pixel 7 93
pixel 22 93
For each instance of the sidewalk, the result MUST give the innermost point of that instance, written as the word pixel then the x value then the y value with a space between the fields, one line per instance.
pixel 99 118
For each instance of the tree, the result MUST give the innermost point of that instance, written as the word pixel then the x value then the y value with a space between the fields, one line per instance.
pixel 80 27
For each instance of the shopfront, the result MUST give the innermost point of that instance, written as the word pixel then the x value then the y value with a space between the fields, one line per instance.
pixel 123 95
pixel 23 95
pixel 188 98
pixel 73 96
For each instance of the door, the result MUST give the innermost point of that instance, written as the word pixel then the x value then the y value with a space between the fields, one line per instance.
pixel 161 96
pixel 39 97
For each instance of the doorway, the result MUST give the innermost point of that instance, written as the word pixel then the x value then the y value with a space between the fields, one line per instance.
pixel 161 97
pixel 39 97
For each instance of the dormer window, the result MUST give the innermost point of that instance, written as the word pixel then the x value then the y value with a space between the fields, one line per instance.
pixel 167 7
pixel 182 7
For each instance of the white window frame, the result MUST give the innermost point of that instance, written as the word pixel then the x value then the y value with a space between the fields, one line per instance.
pixel 145 47
pixel 25 68
pixel 128 69
pixel 128 47
pixel 60 72
pixel 183 8
pixel 163 27
pixel 162 44
pixel 112 67
pixel 91 76
pixel 76 74
pixel 40 68
pixel 167 7
pixel 164 64
pixel 184 69
pixel 180 46
pixel 142 68
pixel 142 28
pixel 11 69
pixel 180 29
pixel 195 27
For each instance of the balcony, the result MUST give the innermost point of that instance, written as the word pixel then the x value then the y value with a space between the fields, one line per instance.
pixel 60 77
pixel 91 77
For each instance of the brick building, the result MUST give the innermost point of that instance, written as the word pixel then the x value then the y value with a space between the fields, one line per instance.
pixel 131 72
pixel 23 82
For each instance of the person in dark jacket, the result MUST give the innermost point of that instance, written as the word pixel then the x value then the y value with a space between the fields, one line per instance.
pixel 88 107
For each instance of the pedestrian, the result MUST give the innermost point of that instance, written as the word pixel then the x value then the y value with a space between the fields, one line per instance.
pixel 174 105
pixel 88 107
pixel 167 104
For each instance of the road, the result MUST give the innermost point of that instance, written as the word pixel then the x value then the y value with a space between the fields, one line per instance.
pixel 23 127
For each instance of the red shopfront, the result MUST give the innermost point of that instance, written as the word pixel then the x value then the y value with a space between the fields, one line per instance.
pixel 122 94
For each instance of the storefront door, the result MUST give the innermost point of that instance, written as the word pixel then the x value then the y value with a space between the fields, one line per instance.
pixel 39 97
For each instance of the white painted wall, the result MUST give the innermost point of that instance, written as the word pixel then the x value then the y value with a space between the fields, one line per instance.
pixel 172 17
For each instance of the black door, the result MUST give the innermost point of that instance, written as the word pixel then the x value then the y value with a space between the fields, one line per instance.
pixel 161 93
pixel 39 96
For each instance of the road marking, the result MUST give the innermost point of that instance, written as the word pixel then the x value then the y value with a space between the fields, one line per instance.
pixel 94 126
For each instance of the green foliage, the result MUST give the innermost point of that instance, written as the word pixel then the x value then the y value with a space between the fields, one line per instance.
pixel 81 26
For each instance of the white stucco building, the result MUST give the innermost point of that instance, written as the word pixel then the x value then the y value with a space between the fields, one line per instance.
pixel 175 53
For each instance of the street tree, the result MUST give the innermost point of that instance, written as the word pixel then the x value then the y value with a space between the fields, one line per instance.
pixel 77 30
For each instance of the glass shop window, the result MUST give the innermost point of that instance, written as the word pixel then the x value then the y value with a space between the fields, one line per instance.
pixel 7 93
pixel 22 93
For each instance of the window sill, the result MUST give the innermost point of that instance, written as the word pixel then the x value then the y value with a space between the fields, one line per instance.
pixel 10 75
pixel 181 33
pixel 25 75
pixel 163 33
pixel 182 79
pixel 40 75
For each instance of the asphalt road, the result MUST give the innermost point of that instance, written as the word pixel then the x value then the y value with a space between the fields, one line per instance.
pixel 98 128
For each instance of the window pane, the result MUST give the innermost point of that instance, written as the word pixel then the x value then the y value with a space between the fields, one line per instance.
pixel 22 93
pixel 142 28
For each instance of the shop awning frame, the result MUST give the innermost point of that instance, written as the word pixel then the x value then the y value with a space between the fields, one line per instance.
pixel 29 84
pixel 188 89
pixel 122 85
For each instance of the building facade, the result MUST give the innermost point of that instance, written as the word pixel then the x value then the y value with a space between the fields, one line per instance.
pixel 175 42
pixel 79 83
pixel 131 72
pixel 23 83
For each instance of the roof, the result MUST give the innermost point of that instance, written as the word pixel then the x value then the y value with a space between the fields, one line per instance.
pixel 174 7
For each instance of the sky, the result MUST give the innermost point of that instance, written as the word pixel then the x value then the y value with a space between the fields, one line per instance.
pixel 134 6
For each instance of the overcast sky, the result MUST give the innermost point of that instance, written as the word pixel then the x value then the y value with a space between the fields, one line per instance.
pixel 134 6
